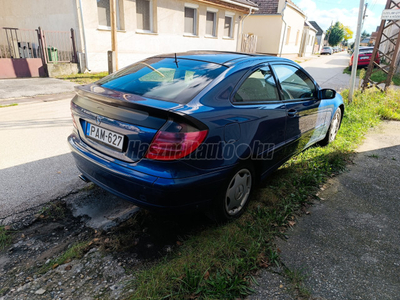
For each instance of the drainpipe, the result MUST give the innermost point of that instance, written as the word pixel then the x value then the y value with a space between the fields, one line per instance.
pixel 84 36
pixel 284 32
pixel 240 33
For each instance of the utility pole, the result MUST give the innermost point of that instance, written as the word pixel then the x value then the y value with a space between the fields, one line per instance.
pixel 356 51
pixel 113 54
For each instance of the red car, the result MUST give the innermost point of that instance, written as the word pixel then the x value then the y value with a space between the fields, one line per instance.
pixel 364 57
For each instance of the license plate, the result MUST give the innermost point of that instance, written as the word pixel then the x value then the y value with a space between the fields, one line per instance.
pixel 105 136
pixel 364 57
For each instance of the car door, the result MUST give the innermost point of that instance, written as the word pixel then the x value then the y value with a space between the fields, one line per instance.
pixel 300 96
pixel 258 97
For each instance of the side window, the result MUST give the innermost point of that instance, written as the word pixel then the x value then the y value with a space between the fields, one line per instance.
pixel 294 82
pixel 259 86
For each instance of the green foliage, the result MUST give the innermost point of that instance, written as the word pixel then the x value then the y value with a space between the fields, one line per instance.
pixel 378 76
pixel 84 78
pixel 5 237
pixel 336 34
pixel 75 251
pixel 8 105
pixel 218 262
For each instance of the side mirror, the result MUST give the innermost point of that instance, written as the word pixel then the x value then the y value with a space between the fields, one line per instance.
pixel 328 94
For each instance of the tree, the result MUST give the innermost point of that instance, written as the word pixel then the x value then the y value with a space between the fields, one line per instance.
pixel 348 33
pixel 364 35
pixel 336 34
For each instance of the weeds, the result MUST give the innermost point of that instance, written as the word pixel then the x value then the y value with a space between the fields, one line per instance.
pixel 378 76
pixel 219 261
pixel 296 278
pixel 5 237
pixel 84 78
pixel 53 210
pixel 74 252
pixel 8 105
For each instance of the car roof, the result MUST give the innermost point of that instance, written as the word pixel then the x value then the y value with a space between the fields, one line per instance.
pixel 219 57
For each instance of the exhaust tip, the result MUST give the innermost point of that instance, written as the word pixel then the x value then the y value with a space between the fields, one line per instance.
pixel 84 178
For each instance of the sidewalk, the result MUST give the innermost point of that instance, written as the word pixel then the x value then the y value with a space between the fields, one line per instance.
pixel 32 87
pixel 348 247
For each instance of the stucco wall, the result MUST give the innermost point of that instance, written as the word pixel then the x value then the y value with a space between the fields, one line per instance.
pixel 268 29
pixel 168 36
pixel 295 20
pixel 28 14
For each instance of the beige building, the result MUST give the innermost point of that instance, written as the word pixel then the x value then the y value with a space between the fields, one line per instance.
pixel 281 29
pixel 145 27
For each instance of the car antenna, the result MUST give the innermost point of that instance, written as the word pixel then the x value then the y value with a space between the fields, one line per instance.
pixel 176 61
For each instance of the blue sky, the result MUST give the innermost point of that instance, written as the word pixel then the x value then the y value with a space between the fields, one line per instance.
pixel 344 11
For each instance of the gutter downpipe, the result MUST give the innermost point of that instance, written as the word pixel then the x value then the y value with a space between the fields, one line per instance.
pixel 240 33
pixel 84 36
pixel 284 33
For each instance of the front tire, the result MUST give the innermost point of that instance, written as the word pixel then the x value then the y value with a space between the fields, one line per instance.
pixel 234 196
pixel 333 128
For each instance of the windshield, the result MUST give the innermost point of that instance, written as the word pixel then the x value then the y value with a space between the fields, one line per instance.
pixel 367 50
pixel 164 78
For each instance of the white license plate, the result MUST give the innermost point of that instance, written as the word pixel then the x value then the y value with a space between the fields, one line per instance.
pixel 105 136
pixel 364 57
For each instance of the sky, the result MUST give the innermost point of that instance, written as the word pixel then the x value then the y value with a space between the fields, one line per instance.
pixel 344 11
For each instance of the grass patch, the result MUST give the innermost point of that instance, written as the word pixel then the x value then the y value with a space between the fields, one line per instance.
pixel 83 78
pixel 8 105
pixel 296 277
pixel 53 210
pixel 5 237
pixel 378 76
pixel 76 251
pixel 219 262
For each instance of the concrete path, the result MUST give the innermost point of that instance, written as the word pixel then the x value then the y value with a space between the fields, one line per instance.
pixel 35 161
pixel 349 246
pixel 29 87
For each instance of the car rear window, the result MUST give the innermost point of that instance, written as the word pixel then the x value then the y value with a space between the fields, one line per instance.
pixel 367 51
pixel 164 78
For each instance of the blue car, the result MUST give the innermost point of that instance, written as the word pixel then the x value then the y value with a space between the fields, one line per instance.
pixel 198 130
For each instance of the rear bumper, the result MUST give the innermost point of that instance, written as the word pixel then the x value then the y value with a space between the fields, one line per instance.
pixel 145 190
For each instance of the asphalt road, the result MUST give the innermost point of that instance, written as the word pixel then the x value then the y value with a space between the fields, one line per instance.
pixel 327 70
pixel 35 162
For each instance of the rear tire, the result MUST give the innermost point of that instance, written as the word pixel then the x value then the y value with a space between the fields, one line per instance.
pixel 233 198
pixel 333 128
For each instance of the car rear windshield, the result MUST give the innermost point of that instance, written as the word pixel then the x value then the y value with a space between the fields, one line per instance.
pixel 367 50
pixel 164 78
pixel 326 48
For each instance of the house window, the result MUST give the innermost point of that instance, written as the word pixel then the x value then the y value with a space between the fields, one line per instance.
pixel 297 37
pixel 228 26
pixel 288 35
pixel 144 15
pixel 211 22
pixel 191 20
pixel 103 12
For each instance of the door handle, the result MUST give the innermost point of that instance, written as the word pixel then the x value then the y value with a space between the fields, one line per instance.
pixel 292 113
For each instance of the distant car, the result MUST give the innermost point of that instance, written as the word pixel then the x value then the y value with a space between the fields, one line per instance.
pixel 327 50
pixel 197 130
pixel 364 57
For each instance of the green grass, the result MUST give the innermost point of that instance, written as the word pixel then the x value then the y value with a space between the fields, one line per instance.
pixel 296 277
pixel 8 105
pixel 74 252
pixel 378 76
pixel 53 210
pixel 84 78
pixel 220 261
pixel 5 237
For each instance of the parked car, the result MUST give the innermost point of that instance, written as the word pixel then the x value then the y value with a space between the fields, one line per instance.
pixel 364 57
pixel 197 130
pixel 327 50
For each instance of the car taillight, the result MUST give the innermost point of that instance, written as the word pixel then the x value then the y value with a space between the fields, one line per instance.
pixel 175 141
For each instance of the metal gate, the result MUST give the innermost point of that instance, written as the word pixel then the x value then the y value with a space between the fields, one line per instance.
pixel 27 52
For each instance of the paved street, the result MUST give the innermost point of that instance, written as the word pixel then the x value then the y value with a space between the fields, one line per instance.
pixel 327 70
pixel 35 162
